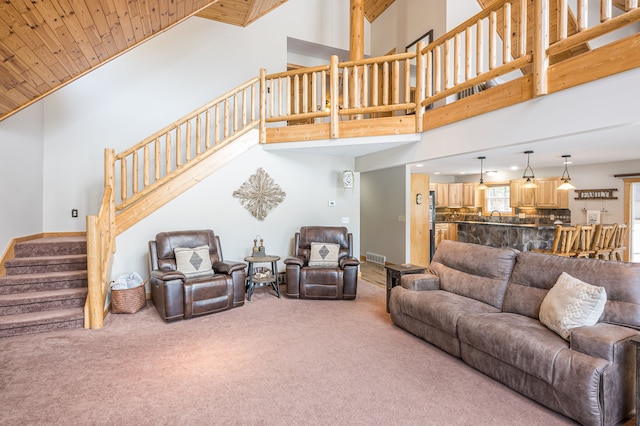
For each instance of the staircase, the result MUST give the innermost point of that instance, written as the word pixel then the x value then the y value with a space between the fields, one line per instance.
pixel 45 286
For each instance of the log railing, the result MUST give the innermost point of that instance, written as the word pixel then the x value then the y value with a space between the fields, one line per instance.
pixel 101 245
pixel 509 37
pixel 181 145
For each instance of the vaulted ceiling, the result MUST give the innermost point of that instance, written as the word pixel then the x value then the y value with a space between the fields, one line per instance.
pixel 45 44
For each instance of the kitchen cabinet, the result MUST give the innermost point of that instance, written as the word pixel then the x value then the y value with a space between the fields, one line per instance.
pixel 442 195
pixel 469 194
pixel 455 195
pixel 545 196
pixel 548 196
pixel 446 231
pixel 521 197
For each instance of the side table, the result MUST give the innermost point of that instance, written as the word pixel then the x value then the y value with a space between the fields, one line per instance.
pixel 395 272
pixel 271 280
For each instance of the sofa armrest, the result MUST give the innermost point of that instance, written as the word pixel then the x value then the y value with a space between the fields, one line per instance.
pixel 294 261
pixel 420 282
pixel 228 267
pixel 168 275
pixel 605 341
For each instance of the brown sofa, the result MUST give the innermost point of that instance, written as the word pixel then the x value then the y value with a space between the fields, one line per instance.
pixel 179 296
pixel 309 281
pixel 481 304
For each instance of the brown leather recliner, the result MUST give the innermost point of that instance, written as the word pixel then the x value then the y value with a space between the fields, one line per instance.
pixel 175 295
pixel 322 281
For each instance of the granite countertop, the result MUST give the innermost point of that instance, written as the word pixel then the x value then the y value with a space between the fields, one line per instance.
pixel 519 225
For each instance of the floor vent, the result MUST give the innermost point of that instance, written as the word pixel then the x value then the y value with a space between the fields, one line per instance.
pixel 376 258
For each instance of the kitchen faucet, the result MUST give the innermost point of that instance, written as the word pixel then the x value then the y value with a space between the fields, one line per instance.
pixel 495 211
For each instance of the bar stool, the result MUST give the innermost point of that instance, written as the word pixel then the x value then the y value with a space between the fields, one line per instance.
pixel 603 241
pixel 563 241
pixel 620 241
pixel 583 242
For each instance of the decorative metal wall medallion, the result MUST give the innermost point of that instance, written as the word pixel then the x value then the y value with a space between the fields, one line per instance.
pixel 260 194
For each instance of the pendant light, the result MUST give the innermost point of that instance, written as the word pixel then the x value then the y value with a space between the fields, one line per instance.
pixel 528 183
pixel 566 179
pixel 482 185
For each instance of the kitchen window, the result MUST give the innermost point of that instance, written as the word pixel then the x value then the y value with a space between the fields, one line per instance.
pixel 497 197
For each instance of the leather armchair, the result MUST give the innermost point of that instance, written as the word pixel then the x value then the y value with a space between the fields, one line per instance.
pixel 322 282
pixel 176 296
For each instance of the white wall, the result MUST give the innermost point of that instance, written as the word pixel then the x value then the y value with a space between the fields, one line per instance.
pixel 382 202
pixel 308 181
pixel 21 175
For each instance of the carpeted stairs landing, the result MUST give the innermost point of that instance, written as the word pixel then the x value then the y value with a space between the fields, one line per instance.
pixel 45 287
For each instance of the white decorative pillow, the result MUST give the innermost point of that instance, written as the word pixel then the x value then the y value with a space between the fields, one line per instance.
pixel 194 262
pixel 572 303
pixel 324 255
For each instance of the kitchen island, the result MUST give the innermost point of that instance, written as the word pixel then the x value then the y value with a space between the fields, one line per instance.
pixel 520 236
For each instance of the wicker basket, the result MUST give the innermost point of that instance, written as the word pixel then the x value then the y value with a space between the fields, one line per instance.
pixel 128 301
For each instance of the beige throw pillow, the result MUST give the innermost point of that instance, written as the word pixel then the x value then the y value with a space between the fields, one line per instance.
pixel 572 303
pixel 193 262
pixel 324 255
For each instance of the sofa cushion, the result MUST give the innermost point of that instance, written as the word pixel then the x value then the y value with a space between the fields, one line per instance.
pixel 441 309
pixel 517 340
pixel 194 262
pixel 324 255
pixel 572 303
pixel 474 271
pixel 535 273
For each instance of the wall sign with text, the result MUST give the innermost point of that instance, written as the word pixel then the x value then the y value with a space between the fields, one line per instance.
pixel 595 194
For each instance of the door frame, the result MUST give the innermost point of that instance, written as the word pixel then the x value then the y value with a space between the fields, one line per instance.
pixel 627 215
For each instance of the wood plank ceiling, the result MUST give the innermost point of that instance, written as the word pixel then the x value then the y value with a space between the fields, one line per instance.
pixel 45 44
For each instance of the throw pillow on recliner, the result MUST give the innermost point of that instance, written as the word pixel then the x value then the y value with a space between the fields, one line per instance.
pixel 194 262
pixel 324 255
pixel 572 303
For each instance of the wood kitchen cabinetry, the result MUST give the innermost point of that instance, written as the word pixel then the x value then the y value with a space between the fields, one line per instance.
pixel 455 194
pixel 469 194
pixel 545 196
pixel 446 231
pixel 442 194
pixel 548 196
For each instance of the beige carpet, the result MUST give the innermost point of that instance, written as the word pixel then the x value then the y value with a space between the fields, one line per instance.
pixel 272 361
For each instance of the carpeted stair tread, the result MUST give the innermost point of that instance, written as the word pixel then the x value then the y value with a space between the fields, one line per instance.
pixel 39 264
pixel 42 281
pixel 40 318
pixel 42 296
pixel 51 246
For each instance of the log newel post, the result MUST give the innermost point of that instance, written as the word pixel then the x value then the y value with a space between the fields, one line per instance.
pixel 418 96
pixel 541 48
pixel 263 106
pixel 333 104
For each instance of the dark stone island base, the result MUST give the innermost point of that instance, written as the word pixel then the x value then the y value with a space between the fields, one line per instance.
pixel 523 237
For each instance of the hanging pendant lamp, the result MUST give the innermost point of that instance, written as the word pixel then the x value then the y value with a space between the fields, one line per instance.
pixel 528 178
pixel 482 185
pixel 566 179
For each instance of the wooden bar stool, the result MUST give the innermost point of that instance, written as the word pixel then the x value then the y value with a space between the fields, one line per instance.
pixel 603 241
pixel 583 242
pixel 620 239
pixel 563 241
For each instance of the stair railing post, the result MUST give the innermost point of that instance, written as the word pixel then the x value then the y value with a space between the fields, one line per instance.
pixel 263 106
pixel 93 274
pixel 418 95
pixel 334 91
pixel 541 48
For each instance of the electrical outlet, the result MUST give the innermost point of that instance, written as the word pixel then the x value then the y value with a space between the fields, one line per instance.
pixel 74 212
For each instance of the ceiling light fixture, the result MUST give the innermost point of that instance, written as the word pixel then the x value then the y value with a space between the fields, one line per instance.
pixel 566 179
pixel 482 185
pixel 528 178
